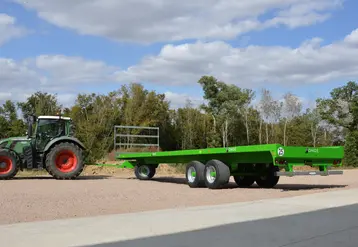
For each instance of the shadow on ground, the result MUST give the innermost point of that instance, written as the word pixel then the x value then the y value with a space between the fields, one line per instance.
pixel 231 185
pixel 47 177
pixel 324 228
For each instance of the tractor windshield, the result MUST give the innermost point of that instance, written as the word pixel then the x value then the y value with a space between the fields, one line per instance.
pixel 48 129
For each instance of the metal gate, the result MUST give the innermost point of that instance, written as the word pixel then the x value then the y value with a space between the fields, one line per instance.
pixel 131 136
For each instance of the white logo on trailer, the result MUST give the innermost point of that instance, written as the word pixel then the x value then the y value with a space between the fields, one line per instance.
pixel 280 151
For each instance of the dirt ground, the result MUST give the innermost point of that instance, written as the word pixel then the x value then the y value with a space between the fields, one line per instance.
pixel 102 191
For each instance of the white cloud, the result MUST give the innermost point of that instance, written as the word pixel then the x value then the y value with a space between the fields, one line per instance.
pixel 55 70
pixel 183 65
pixel 64 76
pixel 17 76
pixel 252 66
pixel 178 100
pixel 8 29
pixel 66 99
pixel 69 70
pixel 59 74
pixel 147 21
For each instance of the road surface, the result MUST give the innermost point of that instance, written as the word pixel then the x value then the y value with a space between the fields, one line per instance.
pixel 44 198
pixel 323 228
pixel 322 220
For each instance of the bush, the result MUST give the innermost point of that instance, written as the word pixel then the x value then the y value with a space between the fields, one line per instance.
pixel 351 149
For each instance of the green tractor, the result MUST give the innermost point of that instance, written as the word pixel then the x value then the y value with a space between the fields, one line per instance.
pixel 50 144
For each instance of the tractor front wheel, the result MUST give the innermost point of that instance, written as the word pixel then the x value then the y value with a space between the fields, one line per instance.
pixel 65 161
pixel 8 165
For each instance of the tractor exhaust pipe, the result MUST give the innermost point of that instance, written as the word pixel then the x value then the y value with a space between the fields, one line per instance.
pixel 30 122
pixel 29 130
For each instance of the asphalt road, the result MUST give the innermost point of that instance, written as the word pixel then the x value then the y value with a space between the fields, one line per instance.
pixel 323 228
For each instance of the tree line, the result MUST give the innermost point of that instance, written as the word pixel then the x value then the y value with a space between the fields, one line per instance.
pixel 227 118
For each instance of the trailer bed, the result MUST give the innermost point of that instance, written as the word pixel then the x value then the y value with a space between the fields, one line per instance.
pixel 251 161
pixel 280 155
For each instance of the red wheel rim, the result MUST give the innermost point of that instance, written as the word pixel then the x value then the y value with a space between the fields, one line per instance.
pixel 8 165
pixel 66 161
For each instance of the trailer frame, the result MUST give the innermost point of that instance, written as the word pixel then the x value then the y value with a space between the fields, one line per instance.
pixel 260 164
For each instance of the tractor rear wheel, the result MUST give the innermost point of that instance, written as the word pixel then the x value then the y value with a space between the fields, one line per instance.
pixel 65 161
pixel 8 165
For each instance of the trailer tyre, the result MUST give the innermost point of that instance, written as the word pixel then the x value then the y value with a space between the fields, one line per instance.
pixel 8 165
pixel 144 172
pixel 216 174
pixel 195 174
pixel 243 181
pixel 269 180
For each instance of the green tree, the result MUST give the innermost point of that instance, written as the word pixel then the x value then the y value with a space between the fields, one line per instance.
pixel 40 103
pixel 10 124
pixel 341 110
pixel 224 102
pixel 94 117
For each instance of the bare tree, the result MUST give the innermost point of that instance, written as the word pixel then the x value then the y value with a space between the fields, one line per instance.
pixel 291 108
pixel 315 121
pixel 276 116
pixel 225 133
pixel 258 108
pixel 266 107
pixel 244 111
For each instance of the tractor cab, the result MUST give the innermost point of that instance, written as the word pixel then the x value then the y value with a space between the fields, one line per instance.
pixel 43 129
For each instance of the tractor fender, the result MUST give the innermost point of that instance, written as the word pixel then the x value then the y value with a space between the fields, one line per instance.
pixel 62 139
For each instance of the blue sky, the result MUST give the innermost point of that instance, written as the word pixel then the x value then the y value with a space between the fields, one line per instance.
pixel 229 42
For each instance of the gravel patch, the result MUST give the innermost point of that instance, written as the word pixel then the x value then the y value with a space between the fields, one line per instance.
pixel 27 199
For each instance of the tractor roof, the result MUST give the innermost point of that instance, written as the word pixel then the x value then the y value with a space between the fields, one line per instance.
pixel 53 117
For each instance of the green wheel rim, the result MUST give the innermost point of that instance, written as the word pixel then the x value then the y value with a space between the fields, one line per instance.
pixel 211 174
pixel 191 174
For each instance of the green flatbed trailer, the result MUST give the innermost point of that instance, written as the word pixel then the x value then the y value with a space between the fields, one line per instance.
pixel 263 164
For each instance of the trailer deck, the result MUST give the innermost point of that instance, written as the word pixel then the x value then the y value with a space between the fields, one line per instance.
pixel 263 164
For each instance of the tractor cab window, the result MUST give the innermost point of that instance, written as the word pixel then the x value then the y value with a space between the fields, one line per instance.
pixel 72 128
pixel 50 128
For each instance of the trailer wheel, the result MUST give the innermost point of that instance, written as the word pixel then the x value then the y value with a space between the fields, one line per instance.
pixel 244 181
pixel 269 180
pixel 216 173
pixel 195 174
pixel 8 165
pixel 144 172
